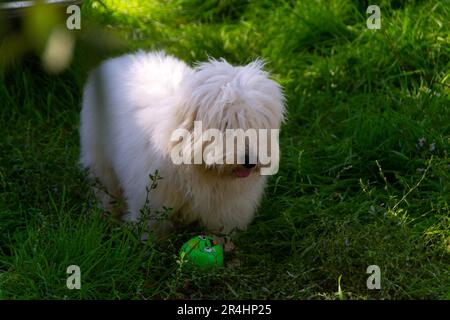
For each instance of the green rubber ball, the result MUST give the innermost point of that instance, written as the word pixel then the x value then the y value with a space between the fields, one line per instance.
pixel 202 252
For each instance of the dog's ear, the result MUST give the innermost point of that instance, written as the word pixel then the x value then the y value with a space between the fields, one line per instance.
pixel 181 143
pixel 185 117
pixel 187 121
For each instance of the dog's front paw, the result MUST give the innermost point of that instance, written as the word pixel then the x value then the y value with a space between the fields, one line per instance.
pixel 226 242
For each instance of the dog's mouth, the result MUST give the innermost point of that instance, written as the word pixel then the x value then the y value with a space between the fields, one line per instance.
pixel 242 172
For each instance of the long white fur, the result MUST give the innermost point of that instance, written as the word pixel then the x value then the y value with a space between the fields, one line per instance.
pixel 132 104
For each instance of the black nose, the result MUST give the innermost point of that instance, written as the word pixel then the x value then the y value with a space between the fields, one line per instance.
pixel 247 163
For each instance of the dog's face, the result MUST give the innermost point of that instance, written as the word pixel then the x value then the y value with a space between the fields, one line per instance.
pixel 231 114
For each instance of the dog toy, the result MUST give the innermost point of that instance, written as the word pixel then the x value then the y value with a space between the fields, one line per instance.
pixel 203 252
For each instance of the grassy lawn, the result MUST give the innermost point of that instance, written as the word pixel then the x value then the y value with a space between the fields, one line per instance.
pixel 364 177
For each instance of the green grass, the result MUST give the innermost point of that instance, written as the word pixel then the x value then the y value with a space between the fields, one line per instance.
pixel 354 187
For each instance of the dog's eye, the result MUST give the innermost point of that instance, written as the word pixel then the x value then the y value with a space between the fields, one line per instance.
pixel 202 237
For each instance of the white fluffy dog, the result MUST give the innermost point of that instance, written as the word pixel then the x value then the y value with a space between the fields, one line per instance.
pixel 131 106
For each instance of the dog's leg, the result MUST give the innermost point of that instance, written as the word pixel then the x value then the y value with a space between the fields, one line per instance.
pixel 225 240
pixel 107 190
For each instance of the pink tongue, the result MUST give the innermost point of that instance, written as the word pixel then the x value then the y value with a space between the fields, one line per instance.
pixel 242 173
